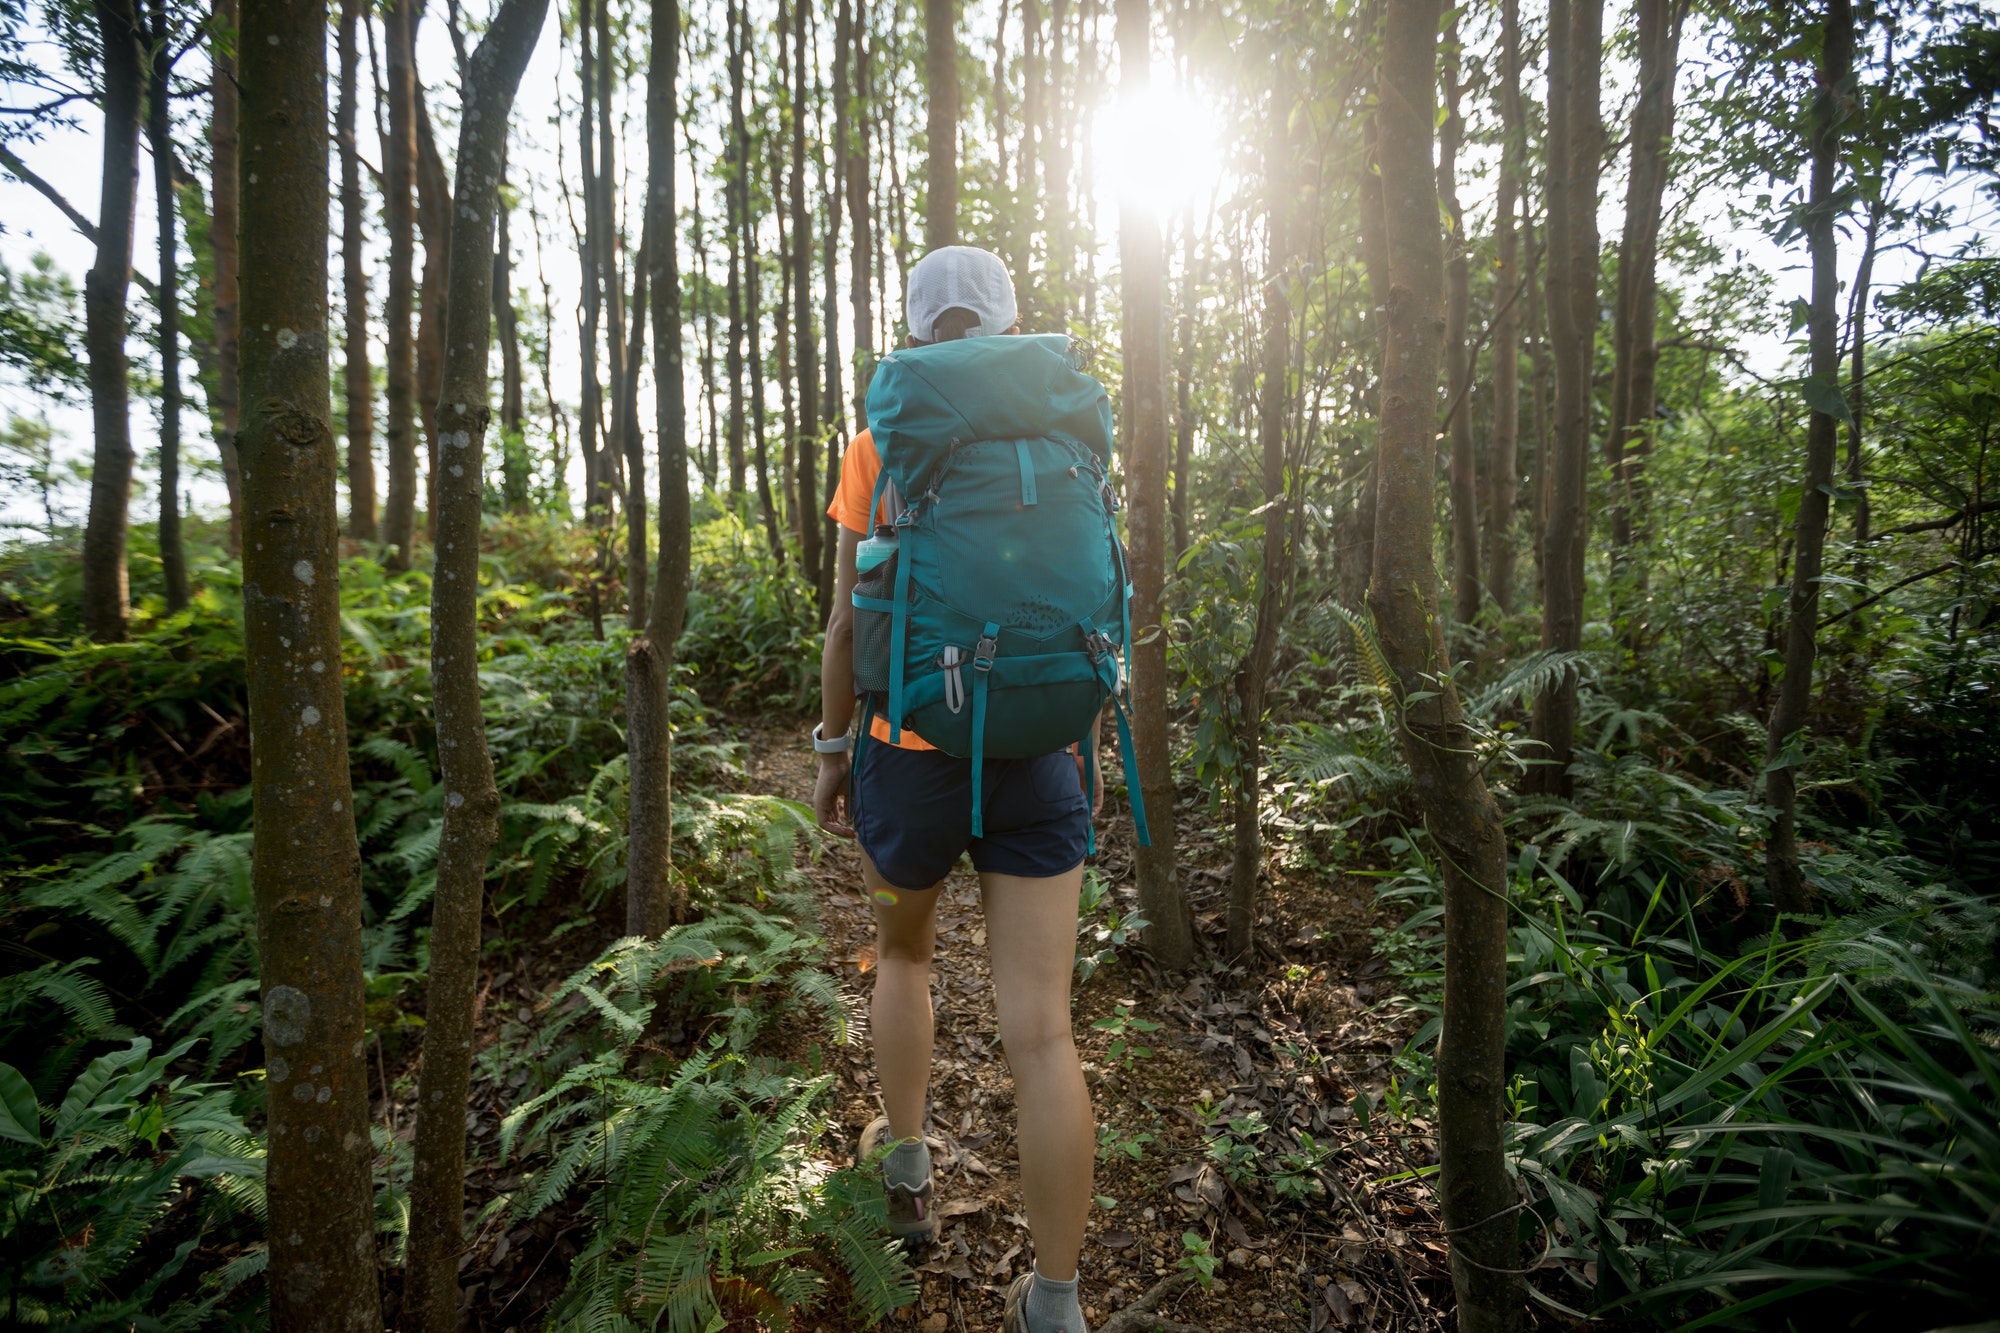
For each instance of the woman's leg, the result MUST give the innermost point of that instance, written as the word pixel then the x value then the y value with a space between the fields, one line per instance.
pixel 900 1020
pixel 1031 934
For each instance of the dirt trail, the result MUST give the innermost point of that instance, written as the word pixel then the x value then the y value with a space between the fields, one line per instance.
pixel 1291 1041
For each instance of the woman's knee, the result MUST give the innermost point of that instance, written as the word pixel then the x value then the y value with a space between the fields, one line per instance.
pixel 1037 1033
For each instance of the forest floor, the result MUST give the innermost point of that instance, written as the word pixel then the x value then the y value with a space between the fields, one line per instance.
pixel 1291 1040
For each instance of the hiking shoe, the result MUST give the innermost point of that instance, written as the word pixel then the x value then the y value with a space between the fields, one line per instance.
pixel 1014 1317
pixel 912 1220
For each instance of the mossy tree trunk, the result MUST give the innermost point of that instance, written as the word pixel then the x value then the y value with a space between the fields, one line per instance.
pixel 1503 458
pixel 1460 814
pixel 305 862
pixel 472 802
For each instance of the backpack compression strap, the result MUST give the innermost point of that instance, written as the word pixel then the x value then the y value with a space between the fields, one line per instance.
pixel 1104 659
pixel 982 667
pixel 899 617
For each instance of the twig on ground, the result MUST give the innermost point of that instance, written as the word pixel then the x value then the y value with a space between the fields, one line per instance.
pixel 1142 1315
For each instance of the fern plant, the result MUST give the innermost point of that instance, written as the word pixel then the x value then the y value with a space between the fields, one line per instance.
pixel 90 1179
pixel 709 1203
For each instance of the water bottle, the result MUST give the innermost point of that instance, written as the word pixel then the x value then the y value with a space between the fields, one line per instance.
pixel 875 550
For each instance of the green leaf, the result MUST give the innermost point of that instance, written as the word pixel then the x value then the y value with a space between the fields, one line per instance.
pixel 1823 396
pixel 20 1113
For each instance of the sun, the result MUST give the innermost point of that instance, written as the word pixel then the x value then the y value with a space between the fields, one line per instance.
pixel 1159 148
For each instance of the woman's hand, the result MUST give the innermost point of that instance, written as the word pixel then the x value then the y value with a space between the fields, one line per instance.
pixel 831 795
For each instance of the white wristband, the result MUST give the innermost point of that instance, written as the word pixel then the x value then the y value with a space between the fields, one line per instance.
pixel 838 745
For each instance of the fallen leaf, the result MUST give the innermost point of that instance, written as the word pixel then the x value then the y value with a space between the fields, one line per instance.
pixel 934 1323
pixel 1337 1303
pixel 1118 1240
pixel 961 1208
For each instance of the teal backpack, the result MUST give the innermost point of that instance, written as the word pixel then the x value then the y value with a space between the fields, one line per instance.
pixel 996 629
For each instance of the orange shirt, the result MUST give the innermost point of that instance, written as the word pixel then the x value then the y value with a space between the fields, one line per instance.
pixel 859 468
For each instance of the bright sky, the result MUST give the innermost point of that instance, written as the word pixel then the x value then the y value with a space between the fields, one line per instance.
pixel 1167 150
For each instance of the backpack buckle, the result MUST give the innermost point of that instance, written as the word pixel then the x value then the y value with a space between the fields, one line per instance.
pixel 983 654
pixel 1099 645
pixel 949 661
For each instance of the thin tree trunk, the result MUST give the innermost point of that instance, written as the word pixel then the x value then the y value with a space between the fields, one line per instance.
pixel 941 123
pixel 1184 393
pixel 160 138
pixel 222 224
pixel 804 342
pixel 1253 673
pixel 861 248
pixel 753 328
pixel 1055 175
pixel 1503 462
pixel 305 865
pixel 590 410
pixel 1540 377
pixel 609 243
pixel 778 147
pixel 514 461
pixel 1575 151
pixel 1457 357
pixel 625 430
pixel 737 192
pixel 358 381
pixel 399 170
pixel 106 593
pixel 434 226
pixel 1635 349
pixel 1789 890
pixel 1026 172
pixel 1857 378
pixel 651 901
pixel 709 458
pixel 833 428
pixel 1477 1194
pixel 1142 266
pixel 472 801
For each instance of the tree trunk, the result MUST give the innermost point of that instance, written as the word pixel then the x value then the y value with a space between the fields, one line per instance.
pixel 399 172
pixel 1635 350
pixel 607 247
pixel 1055 175
pixel 434 226
pixel 737 191
pixel 514 462
pixel 709 459
pixel 1857 378
pixel 590 409
pixel 861 247
pixel 833 430
pixel 359 383
pixel 1025 191
pixel 1575 152
pixel 1461 815
pixel 1142 266
pixel 1503 462
pixel 1789 890
pixel 1457 357
pixel 804 342
pixel 305 862
pixel 1183 393
pixel 941 123
pixel 1253 673
pixel 472 801
pixel 106 594
pixel 651 901
pixel 160 138
pixel 222 224
pixel 625 430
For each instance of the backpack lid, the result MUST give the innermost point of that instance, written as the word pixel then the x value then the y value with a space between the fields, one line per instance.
pixel 1022 386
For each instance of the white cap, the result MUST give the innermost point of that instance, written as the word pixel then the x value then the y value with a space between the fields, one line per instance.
pixel 964 277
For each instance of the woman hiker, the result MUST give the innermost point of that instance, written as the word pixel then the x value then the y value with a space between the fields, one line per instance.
pixel 910 806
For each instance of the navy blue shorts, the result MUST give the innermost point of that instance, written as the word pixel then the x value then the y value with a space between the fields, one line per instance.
pixel 912 812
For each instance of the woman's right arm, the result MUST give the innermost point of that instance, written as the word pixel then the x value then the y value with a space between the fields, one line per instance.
pixel 836 690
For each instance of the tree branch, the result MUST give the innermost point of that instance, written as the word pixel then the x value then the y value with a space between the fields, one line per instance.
pixel 1899 584
pixel 1972 510
pixel 84 226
